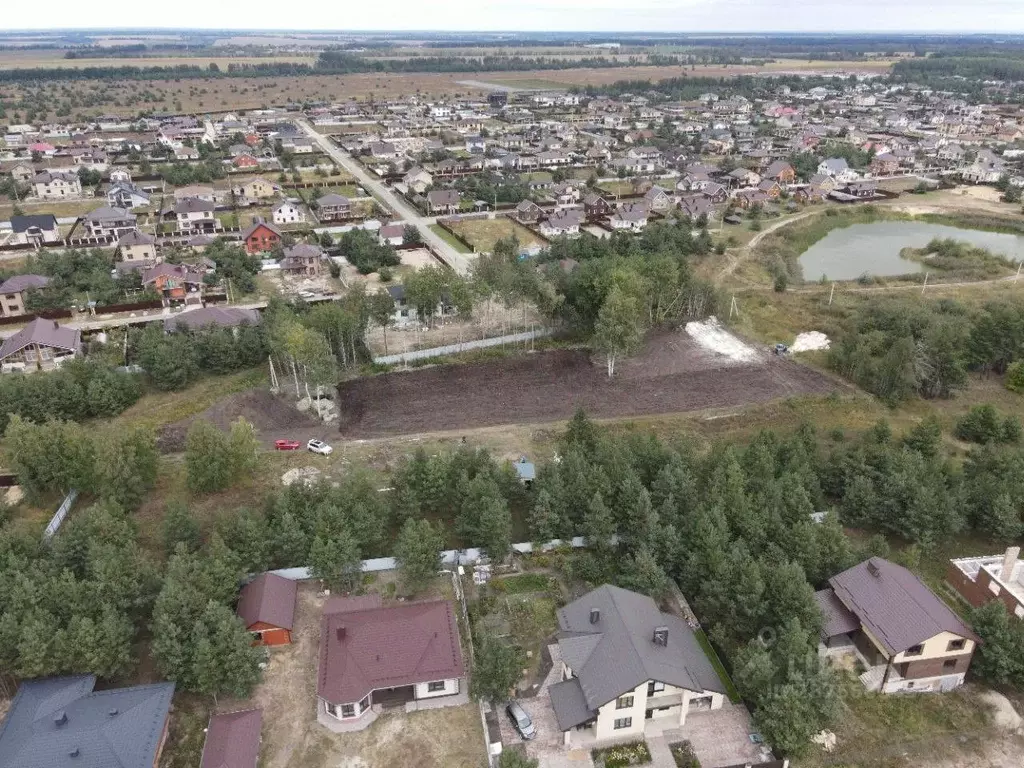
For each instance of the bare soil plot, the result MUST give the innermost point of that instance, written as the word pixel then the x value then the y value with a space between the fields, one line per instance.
pixel 482 234
pixel 673 374
pixel 439 738
pixel 274 417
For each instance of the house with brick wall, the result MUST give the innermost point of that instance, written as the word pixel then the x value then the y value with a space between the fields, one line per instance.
pixel 980 580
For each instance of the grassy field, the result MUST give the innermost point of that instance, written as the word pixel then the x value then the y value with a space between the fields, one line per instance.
pixel 482 234
pixel 447 237
pixel 616 187
pixel 30 59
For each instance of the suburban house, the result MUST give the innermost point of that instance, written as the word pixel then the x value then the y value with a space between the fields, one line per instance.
pixel 193 214
pixel 42 345
pixel 35 230
pixel 267 607
pixel 13 290
pixel 22 172
pixel 624 664
pixel 109 222
pixel 596 207
pixel 334 207
pixel 417 180
pixel 245 160
pixel 173 281
pixel 981 580
pixel 443 201
pixel 906 637
pixel 260 237
pixel 528 212
pixel 781 171
pixel 404 312
pixel 885 164
pixel 838 169
pixel 203 317
pixel 137 246
pixel 63 721
pixel 302 260
pixel 391 234
pixel 374 656
pixel 255 189
pixel 565 222
pixel 124 194
pixel 567 193
pixel 632 216
pixel 658 199
pixel 54 185
pixel 287 213
pixel 233 740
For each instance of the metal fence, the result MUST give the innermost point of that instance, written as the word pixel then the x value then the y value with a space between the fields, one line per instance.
pixel 465 346
pixel 62 512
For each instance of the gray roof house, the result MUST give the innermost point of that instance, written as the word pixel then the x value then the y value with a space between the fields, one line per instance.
pixel 62 722
pixel 40 345
pixel 625 663
pixel 903 633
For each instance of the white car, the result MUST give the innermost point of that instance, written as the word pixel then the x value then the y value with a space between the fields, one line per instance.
pixel 319 446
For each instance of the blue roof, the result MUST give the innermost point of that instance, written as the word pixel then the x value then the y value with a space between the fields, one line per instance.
pixel 61 722
pixel 525 469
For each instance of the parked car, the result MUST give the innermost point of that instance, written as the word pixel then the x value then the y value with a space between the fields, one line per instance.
pixel 319 446
pixel 520 720
pixel 287 445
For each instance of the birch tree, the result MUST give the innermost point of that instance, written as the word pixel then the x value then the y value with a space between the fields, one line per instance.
pixel 618 330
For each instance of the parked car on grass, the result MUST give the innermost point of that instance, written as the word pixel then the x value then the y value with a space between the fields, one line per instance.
pixel 319 446
pixel 287 445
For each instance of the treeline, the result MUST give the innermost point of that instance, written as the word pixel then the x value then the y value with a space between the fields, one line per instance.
pixel 998 66
pixel 898 349
pixel 79 273
pixel 79 390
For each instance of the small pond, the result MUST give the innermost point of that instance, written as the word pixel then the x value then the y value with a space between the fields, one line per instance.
pixel 874 249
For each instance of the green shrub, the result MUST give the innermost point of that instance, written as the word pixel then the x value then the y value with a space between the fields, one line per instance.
pixel 1015 377
pixel 683 754
pixel 632 753
pixel 983 424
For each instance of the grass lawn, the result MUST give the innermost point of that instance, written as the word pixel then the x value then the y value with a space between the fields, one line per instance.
pixel 616 187
pixel 524 582
pixel 447 237
pixel 484 233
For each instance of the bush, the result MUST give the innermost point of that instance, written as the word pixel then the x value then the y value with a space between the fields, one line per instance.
pixel 683 754
pixel 1015 377
pixel 633 753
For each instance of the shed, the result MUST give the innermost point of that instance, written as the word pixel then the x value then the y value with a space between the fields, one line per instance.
pixel 267 606
pixel 233 740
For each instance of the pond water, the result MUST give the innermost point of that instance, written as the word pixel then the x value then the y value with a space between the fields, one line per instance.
pixel 874 249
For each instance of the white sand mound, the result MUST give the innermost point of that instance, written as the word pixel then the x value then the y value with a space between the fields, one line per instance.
pixel 304 475
pixel 711 335
pixel 807 342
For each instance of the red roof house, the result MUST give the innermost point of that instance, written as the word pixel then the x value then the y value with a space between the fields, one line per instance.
pixel 374 656
pixel 245 161
pixel 233 740
pixel 267 606
pixel 261 237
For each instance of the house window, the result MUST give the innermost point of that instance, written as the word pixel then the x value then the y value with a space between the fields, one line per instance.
pixel 653 687
pixel 364 704
pixel 623 722
pixel 956 645
pixel 949 664
pixel 435 686
pixel 624 702
pixel 348 710
pixel 914 650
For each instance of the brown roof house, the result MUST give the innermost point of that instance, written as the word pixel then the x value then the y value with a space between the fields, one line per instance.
pixel 267 606
pixel 373 657
pixel 626 667
pixel 443 201
pixel 907 638
pixel 233 740
pixel 13 290
pixel 42 345
pixel 303 260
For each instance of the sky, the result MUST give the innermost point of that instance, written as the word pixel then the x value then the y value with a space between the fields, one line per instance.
pixel 536 15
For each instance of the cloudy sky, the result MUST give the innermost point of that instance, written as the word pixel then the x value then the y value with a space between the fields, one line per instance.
pixel 553 15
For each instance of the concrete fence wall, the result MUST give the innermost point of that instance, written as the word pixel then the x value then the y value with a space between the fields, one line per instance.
pixel 466 346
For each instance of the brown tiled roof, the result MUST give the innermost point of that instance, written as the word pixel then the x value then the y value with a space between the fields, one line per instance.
pixel 233 740
pixel 838 618
pixel 895 606
pixel 225 317
pixel 385 647
pixel 20 283
pixel 268 599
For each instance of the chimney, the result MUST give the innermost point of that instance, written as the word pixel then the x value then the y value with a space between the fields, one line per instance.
pixel 1009 561
pixel 56 325
pixel 660 636
pixel 341 633
pixel 74 752
pixel 595 615
pixel 61 718
pixel 112 712
pixel 872 568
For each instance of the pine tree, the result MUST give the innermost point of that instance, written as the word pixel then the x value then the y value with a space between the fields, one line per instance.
pixel 494 528
pixel 544 520
pixel 208 462
pixel 642 573
pixel 244 449
pixel 291 544
pixel 179 527
pixel 418 552
pixel 126 466
pixel 334 559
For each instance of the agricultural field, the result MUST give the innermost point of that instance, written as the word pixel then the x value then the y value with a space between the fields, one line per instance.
pixel 482 234
pixel 44 59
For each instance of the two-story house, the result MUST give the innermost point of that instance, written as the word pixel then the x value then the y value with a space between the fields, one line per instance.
pixel 42 345
pixel 195 215
pixel 287 213
pixel 13 290
pixel 138 247
pixel 332 207
pixel 52 185
pixel 625 664
pixel 985 579
pixel 109 221
pixel 443 201
pixel 302 260
pixel 260 237
pixel 124 194
pixel 35 230
pixel 906 637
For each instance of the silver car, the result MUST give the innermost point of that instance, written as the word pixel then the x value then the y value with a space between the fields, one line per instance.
pixel 522 722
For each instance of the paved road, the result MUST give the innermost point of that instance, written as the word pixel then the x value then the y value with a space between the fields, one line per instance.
pixel 457 261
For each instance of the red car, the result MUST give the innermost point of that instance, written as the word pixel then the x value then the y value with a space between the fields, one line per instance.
pixel 287 445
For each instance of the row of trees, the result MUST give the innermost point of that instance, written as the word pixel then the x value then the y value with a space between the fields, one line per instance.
pixel 173 361
pixel 79 275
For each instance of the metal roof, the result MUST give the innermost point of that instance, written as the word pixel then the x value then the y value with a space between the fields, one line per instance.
pixel 47 333
pixel 620 652
pixel 233 740
pixel 569 704
pixel 895 606
pixel 268 599
pixel 838 618
pixel 63 723
pixel 20 283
